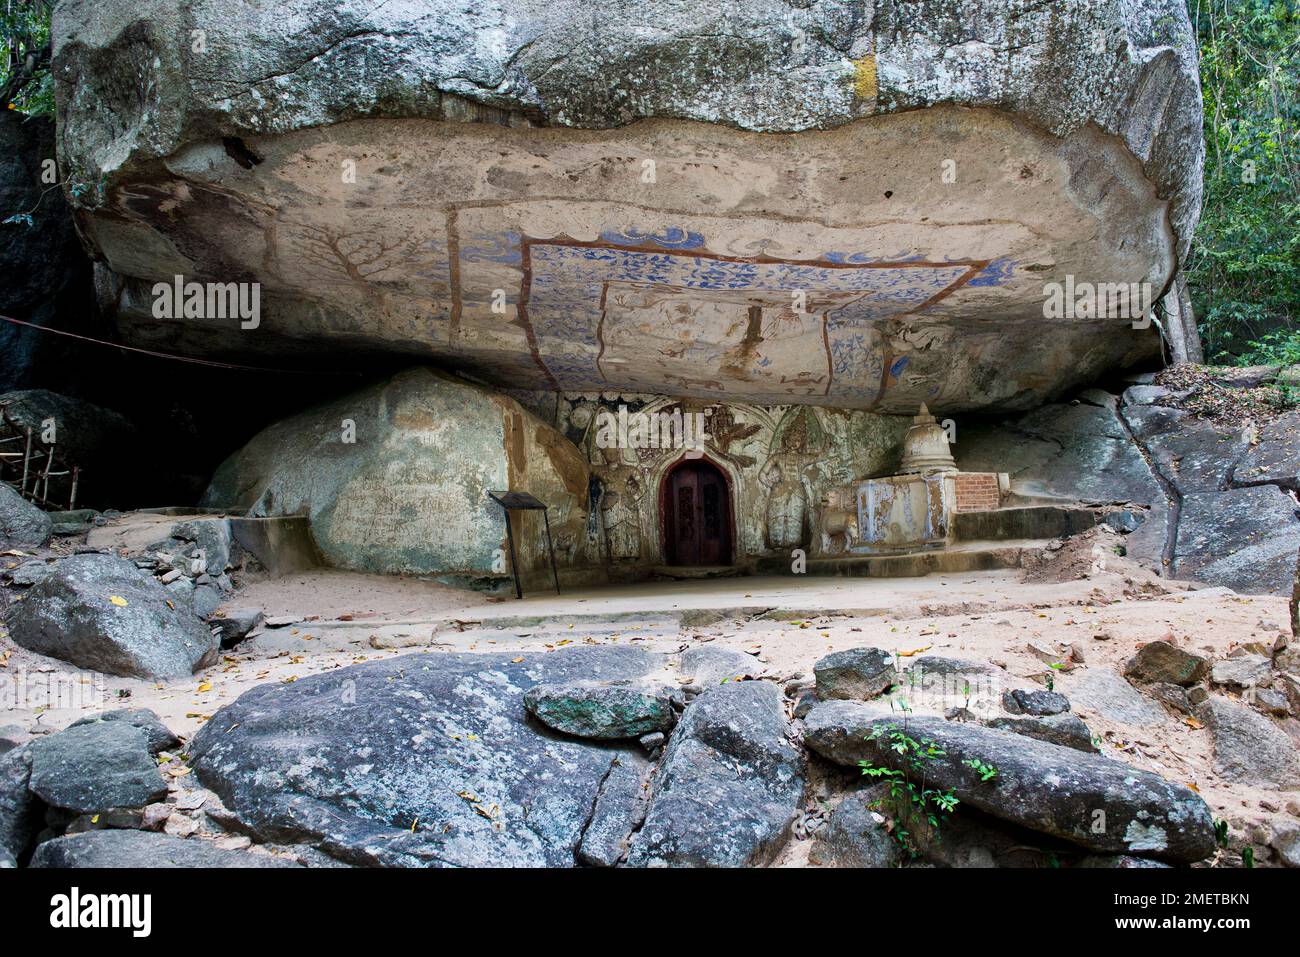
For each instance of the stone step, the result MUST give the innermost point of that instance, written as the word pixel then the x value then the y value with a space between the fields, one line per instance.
pixel 966 557
pixel 1034 521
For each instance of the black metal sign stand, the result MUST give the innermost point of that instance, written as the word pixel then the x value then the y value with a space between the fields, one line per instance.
pixel 522 501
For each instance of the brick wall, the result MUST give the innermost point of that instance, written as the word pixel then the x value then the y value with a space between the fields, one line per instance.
pixel 977 491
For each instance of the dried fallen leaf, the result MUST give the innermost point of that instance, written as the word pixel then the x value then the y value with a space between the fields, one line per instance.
pixel 117 600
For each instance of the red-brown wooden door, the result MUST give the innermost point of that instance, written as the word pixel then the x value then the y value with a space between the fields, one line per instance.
pixel 697 515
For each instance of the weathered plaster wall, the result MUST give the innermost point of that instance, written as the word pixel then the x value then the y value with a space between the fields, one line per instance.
pixel 779 461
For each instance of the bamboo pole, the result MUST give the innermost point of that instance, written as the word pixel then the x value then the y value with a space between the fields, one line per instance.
pixel 27 458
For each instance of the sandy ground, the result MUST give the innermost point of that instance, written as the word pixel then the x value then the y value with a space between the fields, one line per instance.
pixel 785 623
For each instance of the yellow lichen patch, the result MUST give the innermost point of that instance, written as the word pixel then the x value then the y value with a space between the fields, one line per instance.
pixel 864 77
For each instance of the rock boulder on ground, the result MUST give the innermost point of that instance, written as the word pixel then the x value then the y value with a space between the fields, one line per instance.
pixel 1244 538
pixel 620 810
pixel 103 613
pixel 1067 730
pixel 728 785
pixel 409 495
pixel 421 760
pixel 855 836
pixel 1242 670
pixel 707 665
pixel 1249 747
pixel 1042 786
pixel 21 522
pixel 95 767
pixel 20 811
pixel 157 735
pixel 856 674
pixel 1103 692
pixel 235 624
pixel 602 711
pixel 144 850
pixel 1159 661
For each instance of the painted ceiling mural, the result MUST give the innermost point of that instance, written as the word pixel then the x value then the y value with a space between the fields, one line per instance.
pixel 661 311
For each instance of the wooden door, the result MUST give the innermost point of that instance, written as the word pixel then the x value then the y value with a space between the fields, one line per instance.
pixel 697 515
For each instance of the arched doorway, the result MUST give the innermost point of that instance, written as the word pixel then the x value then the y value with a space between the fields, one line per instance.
pixel 695 502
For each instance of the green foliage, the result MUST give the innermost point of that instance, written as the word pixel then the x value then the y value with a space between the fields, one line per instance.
pixel 1275 348
pixel 1221 832
pixel 1244 266
pixel 25 81
pixel 911 799
pixel 987 772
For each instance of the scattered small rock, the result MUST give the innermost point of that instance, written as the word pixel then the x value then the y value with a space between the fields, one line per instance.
pixel 1243 670
pixel 857 674
pixel 711 666
pixel 235 624
pixel 1040 703
pixel 1159 661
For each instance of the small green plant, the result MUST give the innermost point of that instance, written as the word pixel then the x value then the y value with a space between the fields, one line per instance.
pixel 1248 857
pixel 987 772
pixel 1221 832
pixel 910 796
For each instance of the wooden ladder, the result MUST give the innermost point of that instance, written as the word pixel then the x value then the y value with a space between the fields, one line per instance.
pixel 32 467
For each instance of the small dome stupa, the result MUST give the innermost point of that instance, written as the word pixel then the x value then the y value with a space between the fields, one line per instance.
pixel 925 447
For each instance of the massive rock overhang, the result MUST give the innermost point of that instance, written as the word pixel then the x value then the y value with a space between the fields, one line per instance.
pixel 892 260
